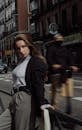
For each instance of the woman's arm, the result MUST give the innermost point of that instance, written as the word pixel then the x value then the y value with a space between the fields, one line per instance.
pixel 39 68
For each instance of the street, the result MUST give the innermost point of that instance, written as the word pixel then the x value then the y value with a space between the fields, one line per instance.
pixel 5 95
pixel 5 90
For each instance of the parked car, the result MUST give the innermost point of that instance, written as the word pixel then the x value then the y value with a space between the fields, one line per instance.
pixel 3 67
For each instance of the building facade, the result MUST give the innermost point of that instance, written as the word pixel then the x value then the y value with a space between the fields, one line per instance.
pixel 13 20
pixel 35 16
pixel 67 14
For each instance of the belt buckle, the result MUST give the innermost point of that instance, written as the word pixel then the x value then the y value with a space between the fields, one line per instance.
pixel 16 89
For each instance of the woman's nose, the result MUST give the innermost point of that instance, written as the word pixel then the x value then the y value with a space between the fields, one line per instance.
pixel 21 49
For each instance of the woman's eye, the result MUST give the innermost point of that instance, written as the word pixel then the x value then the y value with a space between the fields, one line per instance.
pixel 18 48
pixel 24 46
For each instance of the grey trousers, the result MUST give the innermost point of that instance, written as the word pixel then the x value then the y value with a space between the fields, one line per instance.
pixel 20 107
pixel 5 120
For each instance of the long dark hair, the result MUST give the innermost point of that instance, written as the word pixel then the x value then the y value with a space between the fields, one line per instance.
pixel 33 50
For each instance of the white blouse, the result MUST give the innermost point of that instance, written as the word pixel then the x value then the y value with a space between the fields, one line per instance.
pixel 18 74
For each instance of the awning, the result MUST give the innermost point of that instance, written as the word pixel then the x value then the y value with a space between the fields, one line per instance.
pixel 72 39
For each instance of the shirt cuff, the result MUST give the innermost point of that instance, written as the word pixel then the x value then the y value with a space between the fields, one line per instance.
pixel 45 106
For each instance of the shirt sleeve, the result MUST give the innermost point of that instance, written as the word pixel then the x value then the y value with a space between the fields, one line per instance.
pixel 37 77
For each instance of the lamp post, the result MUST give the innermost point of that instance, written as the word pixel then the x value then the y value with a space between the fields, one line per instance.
pixel 59 12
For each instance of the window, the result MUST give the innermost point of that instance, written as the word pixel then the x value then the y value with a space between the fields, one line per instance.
pixel 48 21
pixel 56 18
pixel 33 5
pixel 41 6
pixel 55 1
pixel 74 16
pixel 34 27
pixel 64 20
pixel 49 3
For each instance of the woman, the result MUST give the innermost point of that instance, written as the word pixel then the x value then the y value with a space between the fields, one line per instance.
pixel 28 86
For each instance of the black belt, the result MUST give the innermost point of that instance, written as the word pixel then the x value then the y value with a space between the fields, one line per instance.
pixel 22 88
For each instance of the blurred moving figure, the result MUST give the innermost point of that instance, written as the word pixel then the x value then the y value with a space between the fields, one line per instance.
pixel 61 65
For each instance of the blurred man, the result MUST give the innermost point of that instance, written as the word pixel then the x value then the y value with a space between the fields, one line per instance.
pixel 61 65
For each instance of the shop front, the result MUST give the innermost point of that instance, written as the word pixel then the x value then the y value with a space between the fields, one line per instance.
pixel 74 43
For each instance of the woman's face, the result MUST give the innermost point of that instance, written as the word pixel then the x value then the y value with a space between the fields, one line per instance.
pixel 22 48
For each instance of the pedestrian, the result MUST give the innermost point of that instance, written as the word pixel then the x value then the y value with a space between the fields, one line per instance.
pixel 28 85
pixel 60 63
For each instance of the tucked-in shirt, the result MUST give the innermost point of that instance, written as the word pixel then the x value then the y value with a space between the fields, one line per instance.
pixel 18 73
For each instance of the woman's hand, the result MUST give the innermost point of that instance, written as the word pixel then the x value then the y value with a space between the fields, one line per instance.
pixel 45 106
pixel 74 68
pixel 56 66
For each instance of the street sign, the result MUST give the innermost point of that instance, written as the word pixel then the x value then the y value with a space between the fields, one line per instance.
pixel 53 28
